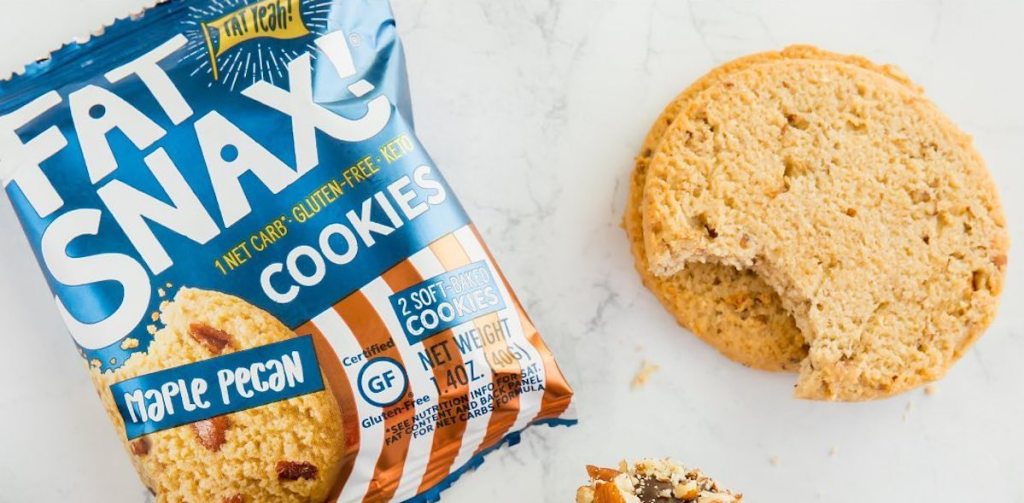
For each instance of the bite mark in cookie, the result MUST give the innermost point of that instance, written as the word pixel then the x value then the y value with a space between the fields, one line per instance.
pixel 883 247
pixel 703 296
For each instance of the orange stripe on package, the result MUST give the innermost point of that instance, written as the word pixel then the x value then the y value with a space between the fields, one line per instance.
pixel 273 288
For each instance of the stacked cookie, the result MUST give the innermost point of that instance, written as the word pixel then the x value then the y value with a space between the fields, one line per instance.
pixel 813 212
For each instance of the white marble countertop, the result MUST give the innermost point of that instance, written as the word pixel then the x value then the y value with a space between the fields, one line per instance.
pixel 534 109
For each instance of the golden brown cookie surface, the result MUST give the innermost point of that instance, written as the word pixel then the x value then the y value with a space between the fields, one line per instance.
pixel 852 196
pixel 285 451
pixel 734 311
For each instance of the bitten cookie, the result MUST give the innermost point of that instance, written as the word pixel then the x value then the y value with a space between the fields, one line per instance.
pixel 286 451
pixel 854 198
pixel 652 481
pixel 732 310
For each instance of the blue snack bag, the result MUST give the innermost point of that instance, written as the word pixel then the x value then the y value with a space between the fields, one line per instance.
pixel 276 292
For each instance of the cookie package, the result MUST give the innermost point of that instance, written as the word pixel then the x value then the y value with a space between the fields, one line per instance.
pixel 277 294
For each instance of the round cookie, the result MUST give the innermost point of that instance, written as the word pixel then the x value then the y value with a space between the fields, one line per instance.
pixel 732 310
pixel 287 451
pixel 854 198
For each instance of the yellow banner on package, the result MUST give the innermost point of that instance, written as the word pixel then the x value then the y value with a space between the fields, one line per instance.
pixel 280 19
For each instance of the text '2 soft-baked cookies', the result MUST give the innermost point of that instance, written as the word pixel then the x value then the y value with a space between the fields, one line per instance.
pixel 852 197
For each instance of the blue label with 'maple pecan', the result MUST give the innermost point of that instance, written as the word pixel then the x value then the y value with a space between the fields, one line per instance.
pixel 218 386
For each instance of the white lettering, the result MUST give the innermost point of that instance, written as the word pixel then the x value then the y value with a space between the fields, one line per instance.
pixel 351 245
pixel 84 270
pixel 268 288
pixel 308 116
pixel 20 162
pixel 319 268
pixel 133 209
pixel 364 225
pixel 95 112
pixel 147 68
pixel 404 197
pixel 230 153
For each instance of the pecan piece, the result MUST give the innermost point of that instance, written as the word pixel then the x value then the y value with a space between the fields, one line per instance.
pixel 602 474
pixel 686 490
pixel 140 446
pixel 215 340
pixel 295 470
pixel 608 492
pixel 210 432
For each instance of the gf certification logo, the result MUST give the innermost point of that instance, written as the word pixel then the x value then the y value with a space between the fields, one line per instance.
pixel 382 382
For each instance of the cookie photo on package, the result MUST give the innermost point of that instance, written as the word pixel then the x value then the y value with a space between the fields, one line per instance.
pixel 276 292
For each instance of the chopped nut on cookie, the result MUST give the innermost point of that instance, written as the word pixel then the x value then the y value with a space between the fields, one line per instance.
pixel 213 339
pixel 140 447
pixel 211 432
pixel 652 481
pixel 295 470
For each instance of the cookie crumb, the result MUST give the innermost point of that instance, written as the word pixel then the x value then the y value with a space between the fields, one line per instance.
pixel 644 374
pixel 113 361
pixel 161 292
pixel 834 451
pixel 774 460
pixel 129 343
pixel 94 363
pixel 931 389
pixel 168 285
pixel 151 329
pixel 155 316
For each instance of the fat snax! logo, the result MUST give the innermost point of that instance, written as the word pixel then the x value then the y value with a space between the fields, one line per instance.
pixel 227 37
